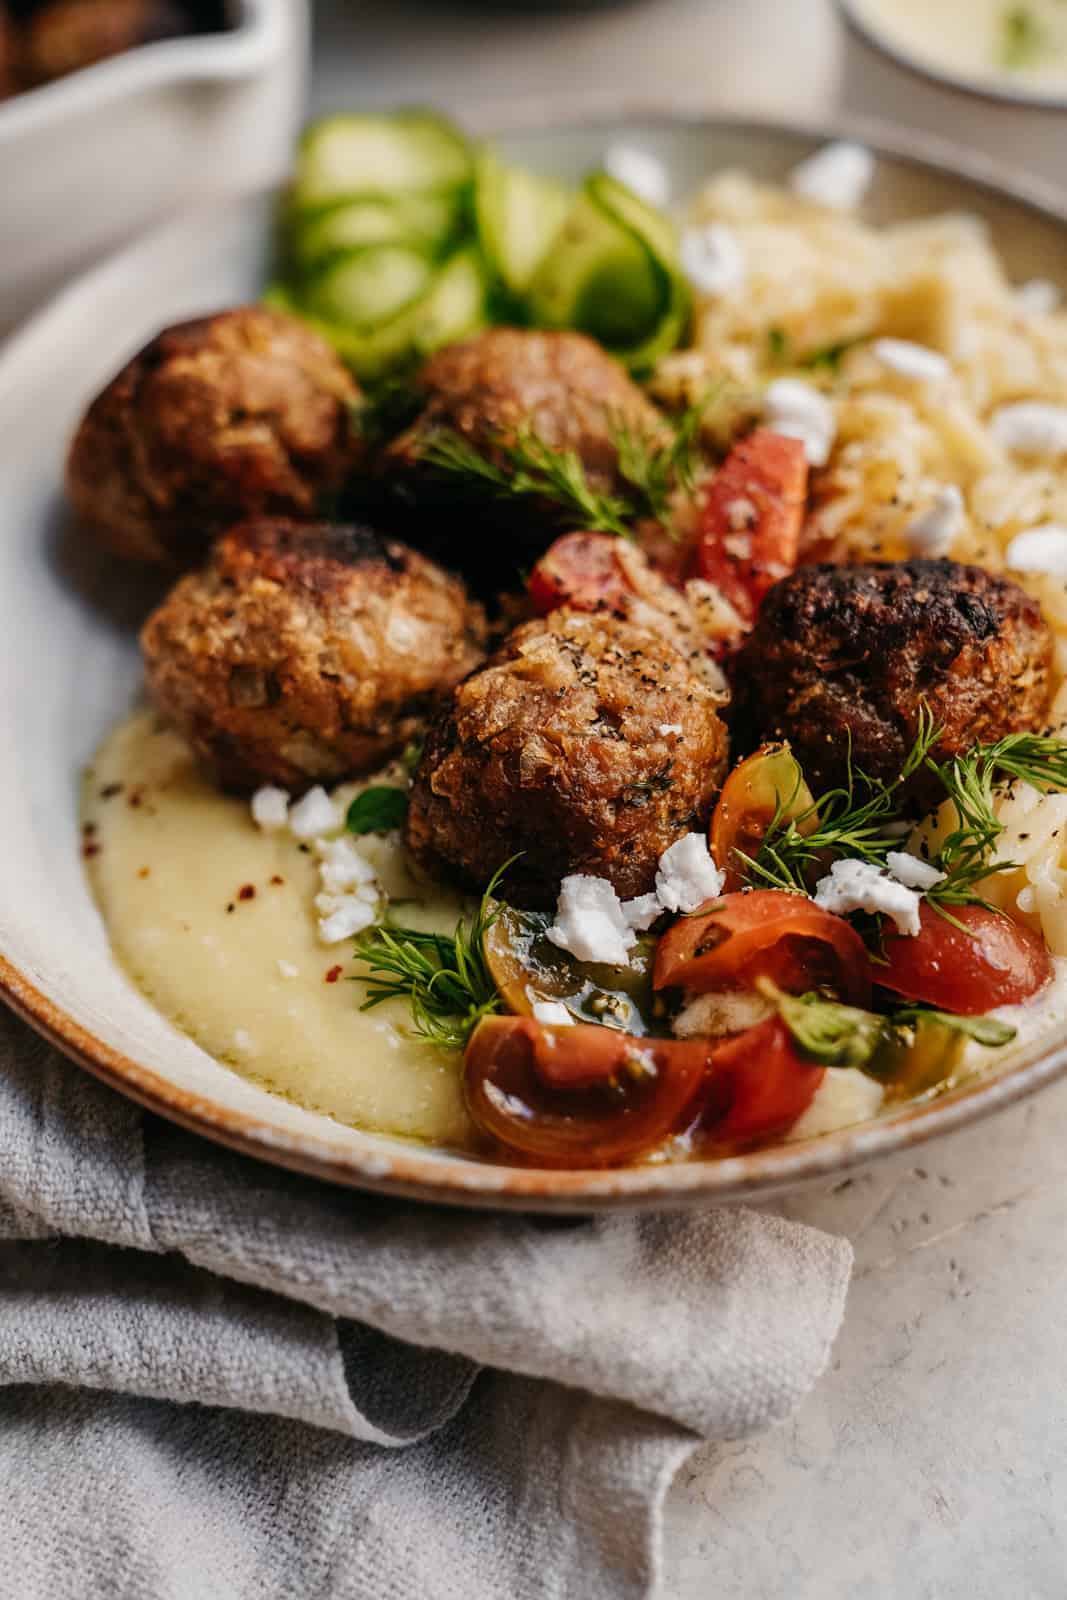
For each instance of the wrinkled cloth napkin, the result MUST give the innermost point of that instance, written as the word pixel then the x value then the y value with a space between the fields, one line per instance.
pixel 223 1382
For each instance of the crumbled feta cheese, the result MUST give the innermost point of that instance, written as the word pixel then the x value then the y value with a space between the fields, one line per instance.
pixel 719 1012
pixel 931 533
pixel 640 171
pixel 910 870
pixel 642 912
pixel 270 808
pixel 1041 549
pixel 244 1042
pixel 590 922
pixel 911 360
pixel 843 1098
pixel 799 411
pixel 741 514
pixel 860 886
pixel 1031 428
pixel 1037 298
pixel 342 916
pixel 341 866
pixel 667 729
pixel 838 176
pixel 315 814
pixel 712 259
pixel 687 874
pixel 287 970
pixel 553 1013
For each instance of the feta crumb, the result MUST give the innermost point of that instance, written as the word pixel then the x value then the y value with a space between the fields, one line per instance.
pixel 797 410
pixel 838 176
pixel 1041 549
pixel 712 259
pixel 343 916
pixel 642 912
pixel 1026 900
pixel 341 866
pixel 910 870
pixel 287 970
pixel 553 1013
pixel 843 1098
pixel 1031 428
pixel 315 814
pixel 1037 298
pixel 687 874
pixel 911 360
pixel 640 171
pixel 666 729
pixel 931 533
pixel 861 886
pixel 590 922
pixel 244 1042
pixel 270 808
pixel 719 1012
pixel 741 514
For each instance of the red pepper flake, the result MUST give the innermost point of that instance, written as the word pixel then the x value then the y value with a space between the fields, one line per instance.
pixel 110 790
pixel 142 872
pixel 90 848
pixel 333 974
pixel 247 891
pixel 276 877
pixel 136 796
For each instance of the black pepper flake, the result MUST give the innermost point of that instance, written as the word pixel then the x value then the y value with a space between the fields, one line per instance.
pixel 110 790
pixel 230 907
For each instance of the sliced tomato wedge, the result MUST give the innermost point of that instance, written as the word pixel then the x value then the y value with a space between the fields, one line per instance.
pixel 582 1096
pixel 760 1084
pixel 751 519
pixel 580 570
pixel 989 961
pixel 765 933
pixel 758 789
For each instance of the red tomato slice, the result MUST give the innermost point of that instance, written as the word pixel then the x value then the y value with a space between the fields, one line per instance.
pixel 996 962
pixel 750 800
pixel 751 519
pixel 582 1096
pixel 760 1085
pixel 580 570
pixel 764 933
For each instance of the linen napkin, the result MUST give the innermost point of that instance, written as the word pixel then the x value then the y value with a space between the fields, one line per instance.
pixel 219 1381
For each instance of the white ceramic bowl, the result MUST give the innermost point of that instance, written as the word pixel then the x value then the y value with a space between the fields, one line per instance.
pixel 69 667
pixel 94 158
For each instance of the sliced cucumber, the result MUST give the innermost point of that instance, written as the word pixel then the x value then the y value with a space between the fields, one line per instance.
pixel 599 278
pixel 649 225
pixel 368 287
pixel 518 215
pixel 430 221
pixel 363 154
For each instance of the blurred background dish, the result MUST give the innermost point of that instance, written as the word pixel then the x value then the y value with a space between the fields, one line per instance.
pixel 116 114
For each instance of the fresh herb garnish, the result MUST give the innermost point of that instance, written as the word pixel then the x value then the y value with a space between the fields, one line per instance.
pixel 824 358
pixel 989 1031
pixel 379 809
pixel 826 1030
pixel 1022 38
pixel 410 756
pixel 444 978
pixel 655 467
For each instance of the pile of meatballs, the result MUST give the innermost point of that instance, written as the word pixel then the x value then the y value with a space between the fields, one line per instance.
pixel 299 649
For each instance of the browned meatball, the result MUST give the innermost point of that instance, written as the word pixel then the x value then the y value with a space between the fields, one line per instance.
pixel 304 652
pixel 586 743
pixel 66 35
pixel 854 653
pixel 8 54
pixel 243 414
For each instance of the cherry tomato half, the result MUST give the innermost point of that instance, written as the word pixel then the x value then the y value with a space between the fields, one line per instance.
pixel 765 933
pixel 751 519
pixel 990 961
pixel 580 570
pixel 751 797
pixel 760 1084
pixel 583 1096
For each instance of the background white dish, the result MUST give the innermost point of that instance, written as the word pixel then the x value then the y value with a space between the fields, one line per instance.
pixel 69 668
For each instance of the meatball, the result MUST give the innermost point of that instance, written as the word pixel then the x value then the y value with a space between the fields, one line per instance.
pixel 562 386
pixel 243 414
pixel 65 35
pixel 8 54
pixel 846 657
pixel 585 744
pixel 304 652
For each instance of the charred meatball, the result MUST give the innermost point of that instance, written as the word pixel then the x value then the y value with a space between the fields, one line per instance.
pixel 586 744
pixel 844 654
pixel 66 35
pixel 244 414
pixel 304 652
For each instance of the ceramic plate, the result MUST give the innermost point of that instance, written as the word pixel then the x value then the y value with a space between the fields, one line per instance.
pixel 69 669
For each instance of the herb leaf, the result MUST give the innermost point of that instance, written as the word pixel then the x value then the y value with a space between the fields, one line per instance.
pixel 989 1031
pixel 379 809
pixel 825 1030
pixel 1022 38
pixel 444 978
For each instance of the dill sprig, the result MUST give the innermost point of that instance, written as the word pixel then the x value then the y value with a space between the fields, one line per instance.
pixel 444 978
pixel 861 819
pixel 655 467
pixel 530 469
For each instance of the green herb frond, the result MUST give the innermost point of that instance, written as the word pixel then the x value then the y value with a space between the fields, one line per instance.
pixel 656 466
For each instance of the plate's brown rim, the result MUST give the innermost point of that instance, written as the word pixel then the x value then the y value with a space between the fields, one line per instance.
pixel 464 1182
